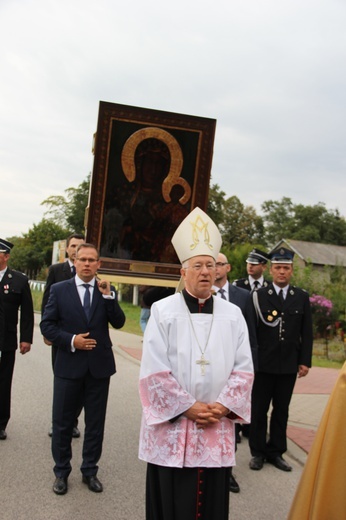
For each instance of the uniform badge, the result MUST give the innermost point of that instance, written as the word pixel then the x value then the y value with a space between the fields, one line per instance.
pixel 270 291
pixel 291 292
pixel 275 313
pixel 270 318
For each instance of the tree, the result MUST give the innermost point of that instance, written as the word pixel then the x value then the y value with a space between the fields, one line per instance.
pixel 278 216
pixel 283 219
pixel 69 211
pixel 33 251
pixel 241 224
pixel 216 203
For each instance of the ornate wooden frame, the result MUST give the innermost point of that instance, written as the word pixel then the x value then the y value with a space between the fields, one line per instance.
pixel 151 168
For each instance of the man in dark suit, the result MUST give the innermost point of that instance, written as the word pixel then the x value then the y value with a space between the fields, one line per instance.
pixel 284 335
pixel 256 264
pixel 242 299
pixel 15 294
pixel 76 320
pixel 58 273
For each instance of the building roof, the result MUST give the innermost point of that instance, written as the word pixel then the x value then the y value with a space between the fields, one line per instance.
pixel 318 254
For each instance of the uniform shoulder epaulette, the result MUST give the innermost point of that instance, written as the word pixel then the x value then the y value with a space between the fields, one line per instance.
pixel 245 281
pixel 298 288
pixel 14 271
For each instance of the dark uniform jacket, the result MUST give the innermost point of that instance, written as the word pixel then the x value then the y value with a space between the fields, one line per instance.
pixel 281 349
pixel 2 323
pixel 245 284
pixel 243 300
pixel 15 293
pixel 56 273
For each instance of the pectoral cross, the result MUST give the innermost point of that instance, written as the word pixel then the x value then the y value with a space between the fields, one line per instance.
pixel 203 362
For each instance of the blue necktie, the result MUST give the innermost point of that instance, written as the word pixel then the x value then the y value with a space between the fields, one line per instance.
pixel 86 301
pixel 73 270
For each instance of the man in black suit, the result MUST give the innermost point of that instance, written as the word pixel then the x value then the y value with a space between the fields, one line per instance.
pixel 284 335
pixel 242 299
pixel 58 273
pixel 76 320
pixel 256 264
pixel 15 294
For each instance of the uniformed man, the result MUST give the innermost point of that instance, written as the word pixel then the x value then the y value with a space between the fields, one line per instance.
pixel 284 334
pixel 15 293
pixel 256 264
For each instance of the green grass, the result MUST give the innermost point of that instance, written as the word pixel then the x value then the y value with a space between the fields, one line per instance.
pixel 132 313
pixel 326 363
pixel 37 299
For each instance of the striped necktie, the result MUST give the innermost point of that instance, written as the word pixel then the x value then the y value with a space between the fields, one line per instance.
pixel 222 292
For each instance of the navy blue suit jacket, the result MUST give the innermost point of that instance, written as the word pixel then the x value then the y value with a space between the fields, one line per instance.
pixel 242 298
pixel 64 317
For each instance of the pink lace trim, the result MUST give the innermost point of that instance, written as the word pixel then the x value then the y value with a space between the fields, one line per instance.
pixel 181 443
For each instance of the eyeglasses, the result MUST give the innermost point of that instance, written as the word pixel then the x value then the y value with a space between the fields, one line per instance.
pixel 85 260
pixel 199 267
pixel 221 264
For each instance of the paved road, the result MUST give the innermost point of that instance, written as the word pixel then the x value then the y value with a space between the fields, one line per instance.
pixel 26 464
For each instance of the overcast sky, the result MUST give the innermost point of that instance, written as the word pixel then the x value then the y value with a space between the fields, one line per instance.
pixel 272 72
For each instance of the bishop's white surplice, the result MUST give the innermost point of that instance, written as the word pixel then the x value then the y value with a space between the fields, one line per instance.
pixel 172 379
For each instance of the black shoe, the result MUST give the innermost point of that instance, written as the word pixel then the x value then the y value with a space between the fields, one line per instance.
pixel 75 432
pixel 60 486
pixel 233 484
pixel 3 435
pixel 93 483
pixel 280 463
pixel 256 463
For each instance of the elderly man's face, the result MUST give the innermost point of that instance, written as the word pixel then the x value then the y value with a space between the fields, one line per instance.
pixel 199 275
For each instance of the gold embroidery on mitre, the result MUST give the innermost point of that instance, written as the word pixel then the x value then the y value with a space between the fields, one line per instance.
pixel 198 227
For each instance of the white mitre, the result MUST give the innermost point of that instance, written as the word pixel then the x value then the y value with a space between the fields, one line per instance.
pixel 197 235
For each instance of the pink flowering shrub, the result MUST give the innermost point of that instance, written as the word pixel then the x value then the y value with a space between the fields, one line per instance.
pixel 322 314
